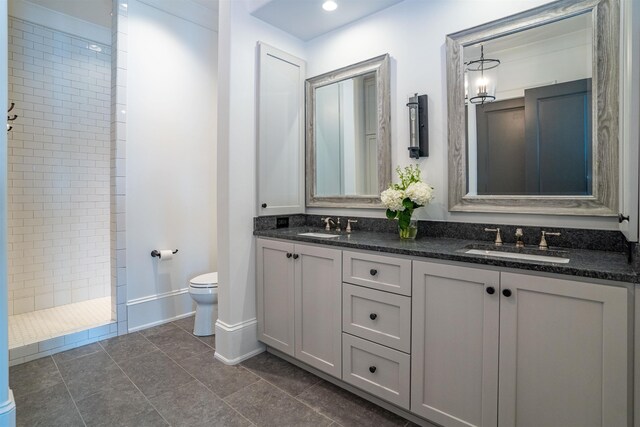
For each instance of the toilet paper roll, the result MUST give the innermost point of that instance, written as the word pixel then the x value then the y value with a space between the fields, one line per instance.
pixel 166 254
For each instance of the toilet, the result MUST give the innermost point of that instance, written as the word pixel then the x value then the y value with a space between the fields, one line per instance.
pixel 204 291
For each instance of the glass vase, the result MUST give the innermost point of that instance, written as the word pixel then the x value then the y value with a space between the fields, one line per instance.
pixel 409 233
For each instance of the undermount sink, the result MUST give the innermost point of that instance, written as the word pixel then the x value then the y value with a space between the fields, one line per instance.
pixel 320 235
pixel 517 254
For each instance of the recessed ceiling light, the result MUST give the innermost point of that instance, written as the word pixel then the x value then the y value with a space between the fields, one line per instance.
pixel 329 5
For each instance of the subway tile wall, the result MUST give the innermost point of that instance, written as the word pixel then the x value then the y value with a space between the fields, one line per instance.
pixel 59 168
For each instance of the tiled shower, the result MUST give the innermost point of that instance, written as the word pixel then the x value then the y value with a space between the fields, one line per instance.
pixel 59 184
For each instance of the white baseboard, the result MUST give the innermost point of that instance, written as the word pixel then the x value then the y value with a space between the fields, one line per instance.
pixel 157 309
pixel 235 343
pixel 8 412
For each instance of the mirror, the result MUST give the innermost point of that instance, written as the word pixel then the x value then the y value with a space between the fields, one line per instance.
pixel 533 121
pixel 348 148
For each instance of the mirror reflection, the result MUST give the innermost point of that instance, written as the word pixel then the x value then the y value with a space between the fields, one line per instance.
pixel 529 111
pixel 346 137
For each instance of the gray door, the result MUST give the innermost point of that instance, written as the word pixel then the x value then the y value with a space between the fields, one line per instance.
pixel 558 151
pixel 501 147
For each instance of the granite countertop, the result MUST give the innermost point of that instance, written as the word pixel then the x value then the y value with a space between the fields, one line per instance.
pixel 584 263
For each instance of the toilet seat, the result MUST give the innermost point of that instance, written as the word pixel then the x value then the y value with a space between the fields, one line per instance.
pixel 208 280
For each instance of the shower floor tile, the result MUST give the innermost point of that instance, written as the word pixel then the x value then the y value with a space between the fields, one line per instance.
pixel 41 325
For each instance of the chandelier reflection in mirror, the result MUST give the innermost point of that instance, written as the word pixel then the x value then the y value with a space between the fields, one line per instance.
pixel 10 117
pixel 485 84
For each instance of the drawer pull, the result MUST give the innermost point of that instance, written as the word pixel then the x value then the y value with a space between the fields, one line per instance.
pixel 506 292
pixel 372 369
pixel 373 316
pixel 289 254
pixel 491 290
pixel 296 256
pixel 373 272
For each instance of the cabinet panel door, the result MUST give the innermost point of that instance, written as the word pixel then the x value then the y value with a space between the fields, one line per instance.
pixel 280 133
pixel 275 294
pixel 563 353
pixel 318 308
pixel 454 361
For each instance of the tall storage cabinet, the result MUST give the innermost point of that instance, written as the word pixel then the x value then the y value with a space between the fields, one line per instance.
pixel 299 308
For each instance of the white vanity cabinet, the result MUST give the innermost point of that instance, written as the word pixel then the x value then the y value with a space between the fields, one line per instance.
pixel 557 350
pixel 299 302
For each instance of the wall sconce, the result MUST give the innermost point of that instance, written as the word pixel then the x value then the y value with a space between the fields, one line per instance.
pixel 418 127
pixel 11 118
pixel 486 82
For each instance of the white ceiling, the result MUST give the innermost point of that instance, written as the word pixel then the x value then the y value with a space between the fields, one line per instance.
pixel 99 11
pixel 306 19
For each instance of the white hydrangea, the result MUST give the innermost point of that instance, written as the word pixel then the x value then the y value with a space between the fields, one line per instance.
pixel 419 193
pixel 392 199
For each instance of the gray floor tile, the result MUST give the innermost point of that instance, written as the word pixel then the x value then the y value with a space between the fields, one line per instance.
pixel 148 419
pixel 220 378
pixel 91 374
pixel 117 406
pixel 193 405
pixel 127 346
pixel 266 405
pixel 75 353
pixel 48 407
pixel 186 323
pixel 33 376
pixel 281 373
pixel 210 340
pixel 154 373
pixel 178 343
pixel 346 408
pixel 160 329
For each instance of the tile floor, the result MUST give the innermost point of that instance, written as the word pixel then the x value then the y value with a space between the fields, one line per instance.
pixel 41 325
pixel 166 376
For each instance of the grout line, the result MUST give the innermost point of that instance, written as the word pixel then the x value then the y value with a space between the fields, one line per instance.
pixel 69 392
pixel 135 385
pixel 203 384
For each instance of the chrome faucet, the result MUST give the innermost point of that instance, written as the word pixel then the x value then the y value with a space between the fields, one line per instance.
pixel 519 236
pixel 328 223
pixel 498 241
pixel 543 241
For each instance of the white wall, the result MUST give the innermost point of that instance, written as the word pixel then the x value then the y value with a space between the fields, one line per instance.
pixel 239 34
pixel 413 33
pixel 170 160
pixel 58 168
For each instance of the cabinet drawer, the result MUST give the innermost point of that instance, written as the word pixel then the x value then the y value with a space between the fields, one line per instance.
pixel 377 316
pixel 376 369
pixel 378 272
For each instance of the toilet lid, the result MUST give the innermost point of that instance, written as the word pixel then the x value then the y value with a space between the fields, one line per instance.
pixel 208 280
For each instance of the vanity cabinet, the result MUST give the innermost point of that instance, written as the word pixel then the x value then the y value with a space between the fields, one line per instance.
pixel 299 302
pixel 562 348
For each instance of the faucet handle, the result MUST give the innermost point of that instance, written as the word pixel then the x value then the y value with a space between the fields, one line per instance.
pixel 543 241
pixel 498 241
pixel 349 222
pixel 338 224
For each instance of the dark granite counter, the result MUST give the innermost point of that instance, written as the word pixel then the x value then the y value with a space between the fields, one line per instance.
pixel 605 265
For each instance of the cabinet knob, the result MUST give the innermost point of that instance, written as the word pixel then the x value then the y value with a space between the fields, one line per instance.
pixel 491 290
pixel 289 254
pixel 372 369
pixel 373 316
pixel 296 256
pixel 506 292
pixel 373 272
pixel 264 205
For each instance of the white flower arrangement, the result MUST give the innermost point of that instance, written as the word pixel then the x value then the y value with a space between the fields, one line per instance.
pixel 401 199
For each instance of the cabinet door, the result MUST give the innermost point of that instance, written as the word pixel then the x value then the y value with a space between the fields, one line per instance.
pixel 275 301
pixel 563 353
pixel 454 360
pixel 318 308
pixel 280 134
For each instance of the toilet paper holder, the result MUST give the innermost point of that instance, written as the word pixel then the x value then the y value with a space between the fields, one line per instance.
pixel 156 253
